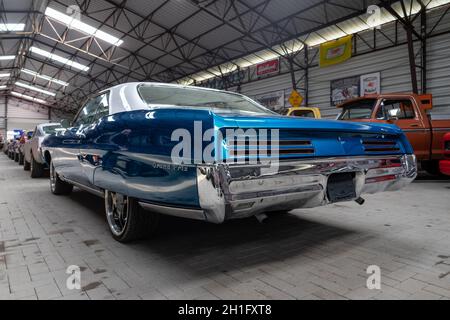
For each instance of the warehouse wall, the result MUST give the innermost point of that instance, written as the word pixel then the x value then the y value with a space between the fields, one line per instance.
pixel 391 62
pixel 438 74
pixel 22 115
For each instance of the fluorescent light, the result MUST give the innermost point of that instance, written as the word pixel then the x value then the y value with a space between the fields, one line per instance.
pixel 44 77
pixel 2 87
pixel 60 59
pixel 5 75
pixel 76 24
pixel 7 57
pixel 23 96
pixel 37 89
pixel 8 27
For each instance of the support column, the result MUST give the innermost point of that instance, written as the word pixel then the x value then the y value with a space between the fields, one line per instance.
pixel 423 31
pixel 292 70
pixel 306 49
pixel 412 60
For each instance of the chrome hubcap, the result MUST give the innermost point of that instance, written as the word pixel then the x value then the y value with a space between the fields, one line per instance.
pixel 116 212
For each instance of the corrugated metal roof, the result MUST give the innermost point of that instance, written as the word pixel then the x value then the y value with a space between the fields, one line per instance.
pixel 167 40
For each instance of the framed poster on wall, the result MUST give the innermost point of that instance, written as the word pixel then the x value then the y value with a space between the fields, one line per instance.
pixel 272 100
pixel 370 84
pixel 268 68
pixel 345 89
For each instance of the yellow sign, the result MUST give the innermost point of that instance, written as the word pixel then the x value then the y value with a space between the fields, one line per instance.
pixel 296 99
pixel 336 51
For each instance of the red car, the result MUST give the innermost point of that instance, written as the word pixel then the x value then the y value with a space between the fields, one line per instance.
pixel 445 164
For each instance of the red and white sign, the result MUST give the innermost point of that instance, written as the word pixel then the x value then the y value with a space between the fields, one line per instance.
pixel 268 67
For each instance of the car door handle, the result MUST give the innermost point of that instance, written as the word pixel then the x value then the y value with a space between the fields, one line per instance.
pixel 414 126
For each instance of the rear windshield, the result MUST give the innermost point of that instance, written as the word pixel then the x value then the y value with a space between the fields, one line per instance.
pixel 303 113
pixel 50 129
pixel 191 97
pixel 360 109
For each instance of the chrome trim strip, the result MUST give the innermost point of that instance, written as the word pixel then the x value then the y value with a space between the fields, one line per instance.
pixel 96 192
pixel 427 129
pixel 196 214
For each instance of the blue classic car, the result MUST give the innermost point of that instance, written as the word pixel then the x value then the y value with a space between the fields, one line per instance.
pixel 210 155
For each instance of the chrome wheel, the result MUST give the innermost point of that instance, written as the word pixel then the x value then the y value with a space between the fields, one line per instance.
pixel 116 212
pixel 52 177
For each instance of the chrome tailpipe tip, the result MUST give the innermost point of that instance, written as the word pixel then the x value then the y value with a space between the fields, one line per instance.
pixel 261 217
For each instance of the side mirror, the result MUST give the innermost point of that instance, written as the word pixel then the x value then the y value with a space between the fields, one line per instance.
pixel 65 123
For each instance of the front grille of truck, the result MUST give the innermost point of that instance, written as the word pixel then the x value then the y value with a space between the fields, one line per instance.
pixel 374 146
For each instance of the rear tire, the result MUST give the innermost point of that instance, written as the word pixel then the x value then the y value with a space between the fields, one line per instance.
pixel 16 157
pixel 21 159
pixel 57 186
pixel 127 220
pixel 37 169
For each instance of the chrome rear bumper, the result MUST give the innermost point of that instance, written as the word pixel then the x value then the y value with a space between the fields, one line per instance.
pixel 239 191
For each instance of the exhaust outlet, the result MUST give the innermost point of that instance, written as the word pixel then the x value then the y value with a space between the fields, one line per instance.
pixel 261 217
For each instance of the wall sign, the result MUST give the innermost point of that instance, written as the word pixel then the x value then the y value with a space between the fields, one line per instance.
pixel 272 100
pixel 370 84
pixel 268 67
pixel 336 51
pixel 296 99
pixel 345 89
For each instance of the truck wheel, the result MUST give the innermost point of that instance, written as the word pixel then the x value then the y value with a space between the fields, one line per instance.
pixel 21 159
pixel 16 157
pixel 57 186
pixel 432 168
pixel 126 219
pixel 37 169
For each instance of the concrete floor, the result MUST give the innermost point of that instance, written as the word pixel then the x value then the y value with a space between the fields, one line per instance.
pixel 310 254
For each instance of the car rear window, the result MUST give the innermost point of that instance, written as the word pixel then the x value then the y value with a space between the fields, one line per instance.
pixel 303 113
pixel 360 109
pixel 198 98
pixel 50 129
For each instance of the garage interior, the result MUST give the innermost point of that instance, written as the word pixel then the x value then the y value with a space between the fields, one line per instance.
pixel 321 253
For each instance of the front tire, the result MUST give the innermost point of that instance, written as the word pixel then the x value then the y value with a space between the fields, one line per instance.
pixel 57 186
pixel 37 169
pixel 26 165
pixel 21 159
pixel 126 219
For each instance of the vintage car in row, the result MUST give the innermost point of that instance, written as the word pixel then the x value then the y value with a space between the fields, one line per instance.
pixel 124 145
pixel 33 158
pixel 26 136
pixel 13 147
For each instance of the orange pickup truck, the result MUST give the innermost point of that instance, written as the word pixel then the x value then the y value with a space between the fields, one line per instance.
pixel 411 113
